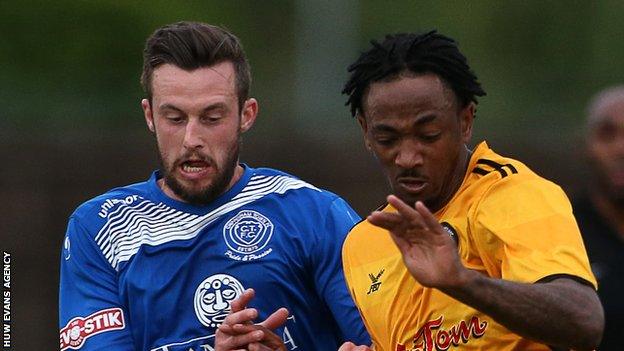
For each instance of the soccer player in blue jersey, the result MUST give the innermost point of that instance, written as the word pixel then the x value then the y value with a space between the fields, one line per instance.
pixel 155 265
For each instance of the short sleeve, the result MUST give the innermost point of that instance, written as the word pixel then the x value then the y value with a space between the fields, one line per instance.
pixel 91 316
pixel 328 273
pixel 525 231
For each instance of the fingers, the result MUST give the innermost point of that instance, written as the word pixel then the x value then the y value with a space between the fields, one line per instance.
pixel 386 220
pixel 270 339
pixel 428 217
pixel 349 346
pixel 256 346
pixel 401 243
pixel 224 342
pixel 241 302
pixel 245 316
pixel 405 210
pixel 276 319
pixel 406 218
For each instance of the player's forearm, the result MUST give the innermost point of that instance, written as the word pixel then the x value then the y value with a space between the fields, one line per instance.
pixel 560 313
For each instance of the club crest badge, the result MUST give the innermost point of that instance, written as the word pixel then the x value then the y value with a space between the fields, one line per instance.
pixel 213 297
pixel 452 232
pixel 247 235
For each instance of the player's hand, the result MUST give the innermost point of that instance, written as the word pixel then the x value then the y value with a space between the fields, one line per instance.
pixel 429 253
pixel 238 331
pixel 349 346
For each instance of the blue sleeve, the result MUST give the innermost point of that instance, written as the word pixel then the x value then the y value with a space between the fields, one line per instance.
pixel 91 316
pixel 328 274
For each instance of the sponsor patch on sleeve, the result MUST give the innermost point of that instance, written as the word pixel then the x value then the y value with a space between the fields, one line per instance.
pixel 74 334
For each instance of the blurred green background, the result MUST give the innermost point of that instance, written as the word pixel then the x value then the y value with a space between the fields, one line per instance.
pixel 71 126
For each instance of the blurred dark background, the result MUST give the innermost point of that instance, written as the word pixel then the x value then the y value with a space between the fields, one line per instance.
pixel 71 126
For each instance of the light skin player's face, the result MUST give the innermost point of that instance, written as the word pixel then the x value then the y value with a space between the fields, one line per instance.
pixel 197 123
pixel 416 130
pixel 606 150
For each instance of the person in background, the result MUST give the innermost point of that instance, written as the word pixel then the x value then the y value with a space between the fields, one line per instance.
pixel 600 210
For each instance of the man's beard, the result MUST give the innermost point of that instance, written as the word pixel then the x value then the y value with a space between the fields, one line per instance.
pixel 210 192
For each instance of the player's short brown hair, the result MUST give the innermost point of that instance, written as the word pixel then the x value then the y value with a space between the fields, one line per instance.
pixel 192 45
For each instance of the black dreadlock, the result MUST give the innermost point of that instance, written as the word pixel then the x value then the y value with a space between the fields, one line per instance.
pixel 417 53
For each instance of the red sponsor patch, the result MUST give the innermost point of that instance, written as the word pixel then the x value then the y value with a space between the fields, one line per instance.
pixel 79 329
pixel 431 337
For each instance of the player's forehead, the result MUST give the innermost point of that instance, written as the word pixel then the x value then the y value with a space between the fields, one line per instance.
pixel 408 96
pixel 174 86
pixel 168 76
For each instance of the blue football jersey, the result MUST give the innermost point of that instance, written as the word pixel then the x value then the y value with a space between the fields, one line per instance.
pixel 141 271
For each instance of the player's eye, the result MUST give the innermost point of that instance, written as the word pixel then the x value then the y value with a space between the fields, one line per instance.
pixel 213 115
pixel 385 140
pixel 175 119
pixel 431 137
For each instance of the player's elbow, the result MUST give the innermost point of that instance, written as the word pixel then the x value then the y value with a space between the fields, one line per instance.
pixel 590 329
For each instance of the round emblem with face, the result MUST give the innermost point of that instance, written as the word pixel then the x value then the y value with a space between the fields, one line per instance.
pixel 213 297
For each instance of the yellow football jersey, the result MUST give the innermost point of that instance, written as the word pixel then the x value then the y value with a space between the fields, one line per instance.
pixel 510 224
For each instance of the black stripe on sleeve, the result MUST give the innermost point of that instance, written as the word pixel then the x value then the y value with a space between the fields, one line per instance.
pixel 498 167
pixel 512 168
pixel 480 171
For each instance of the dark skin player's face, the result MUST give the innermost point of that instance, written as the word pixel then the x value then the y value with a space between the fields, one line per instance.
pixel 417 131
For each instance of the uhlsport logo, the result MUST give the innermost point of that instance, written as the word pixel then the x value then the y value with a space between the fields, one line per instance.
pixel 79 329
pixel 213 297
pixel 247 235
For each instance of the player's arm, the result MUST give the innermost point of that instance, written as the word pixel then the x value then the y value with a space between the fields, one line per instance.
pixel 562 312
pixel 328 275
pixel 91 316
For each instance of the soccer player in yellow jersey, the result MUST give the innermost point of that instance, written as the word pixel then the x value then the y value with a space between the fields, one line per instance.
pixel 473 251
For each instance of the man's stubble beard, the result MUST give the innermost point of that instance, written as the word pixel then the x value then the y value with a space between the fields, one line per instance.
pixel 209 193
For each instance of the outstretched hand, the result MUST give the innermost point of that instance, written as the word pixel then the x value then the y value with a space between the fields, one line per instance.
pixel 239 332
pixel 428 251
pixel 349 346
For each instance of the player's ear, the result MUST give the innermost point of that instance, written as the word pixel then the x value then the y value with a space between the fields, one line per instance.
pixel 148 114
pixel 362 120
pixel 466 118
pixel 248 114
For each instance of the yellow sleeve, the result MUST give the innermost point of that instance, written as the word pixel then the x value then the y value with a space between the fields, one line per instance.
pixel 525 231
pixel 349 246
pixel 346 267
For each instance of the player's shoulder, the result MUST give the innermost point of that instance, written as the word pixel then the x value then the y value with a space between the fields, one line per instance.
pixel 499 175
pixel 364 232
pixel 95 212
pixel 288 185
pixel 490 168
pixel 309 205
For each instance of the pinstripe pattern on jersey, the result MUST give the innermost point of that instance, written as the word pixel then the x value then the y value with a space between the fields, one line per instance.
pixel 144 222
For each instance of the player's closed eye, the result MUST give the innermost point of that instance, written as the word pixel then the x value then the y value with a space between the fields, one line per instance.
pixel 385 140
pixel 429 138
pixel 211 119
pixel 175 119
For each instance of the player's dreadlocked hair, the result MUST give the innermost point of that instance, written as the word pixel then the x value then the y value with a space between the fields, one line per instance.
pixel 417 53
